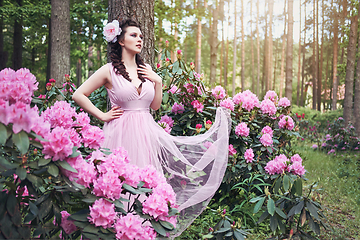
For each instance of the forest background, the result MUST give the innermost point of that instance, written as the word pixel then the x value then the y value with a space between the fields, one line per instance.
pixel 243 44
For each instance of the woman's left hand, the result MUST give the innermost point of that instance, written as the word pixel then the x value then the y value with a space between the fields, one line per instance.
pixel 148 73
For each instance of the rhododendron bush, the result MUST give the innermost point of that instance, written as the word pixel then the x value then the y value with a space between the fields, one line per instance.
pixel 57 180
pixel 259 145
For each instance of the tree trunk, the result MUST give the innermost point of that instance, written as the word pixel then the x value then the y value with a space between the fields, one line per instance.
pixel 270 45
pixel 234 53
pixel 321 57
pixel 264 82
pixel 283 55
pixel 258 49
pixel 90 53
pixel 350 65
pixel 60 40
pixel 357 94
pixel 318 72
pixel 314 73
pixel 335 58
pixel 143 12
pixel 326 80
pixel 48 50
pixel 78 72
pixel 214 45
pixel 289 51
pixel 222 16
pixel 227 52
pixel 17 42
pixel 3 54
pixel 198 42
pixel 303 65
pixel 252 50
pixel 242 48
pixel 299 62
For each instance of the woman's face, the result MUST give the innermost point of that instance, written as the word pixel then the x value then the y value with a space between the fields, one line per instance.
pixel 133 40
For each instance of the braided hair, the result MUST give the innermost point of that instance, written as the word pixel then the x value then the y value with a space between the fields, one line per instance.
pixel 116 52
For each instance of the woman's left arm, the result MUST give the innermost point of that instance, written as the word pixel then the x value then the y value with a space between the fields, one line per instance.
pixel 148 73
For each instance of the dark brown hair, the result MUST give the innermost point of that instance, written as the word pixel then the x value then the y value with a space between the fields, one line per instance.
pixel 116 52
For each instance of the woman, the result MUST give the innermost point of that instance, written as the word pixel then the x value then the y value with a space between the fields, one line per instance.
pixel 194 166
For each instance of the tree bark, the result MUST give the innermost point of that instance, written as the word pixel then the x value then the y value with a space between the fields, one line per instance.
pixel 143 12
pixel 242 48
pixel 198 41
pixel 314 69
pixel 17 42
pixel 227 51
pixel 60 40
pixel 283 55
pixel 270 45
pixel 252 50
pixel 321 57
pixel 234 53
pixel 335 58
pixel 222 17
pixel 48 50
pixel 357 94
pixel 289 51
pixel 349 78
pixel 3 54
pixel 214 45
pixel 258 49
pixel 303 65
pixel 318 72
pixel 299 62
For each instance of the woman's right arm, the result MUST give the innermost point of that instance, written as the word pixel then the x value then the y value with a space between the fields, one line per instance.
pixel 98 79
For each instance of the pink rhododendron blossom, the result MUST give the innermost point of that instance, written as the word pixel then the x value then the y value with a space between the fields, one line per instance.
pixel 177 108
pixel 130 227
pixel 76 163
pixel 247 100
pixel 314 146
pixel 267 106
pixel 21 116
pixel 59 145
pixel 286 122
pixel 67 225
pixel 207 144
pixel 284 102
pixel 268 130
pixel 82 119
pixel 173 89
pixel 60 114
pixel 111 30
pixel 92 136
pixel 266 140
pixel 227 103
pixel 277 166
pixel 242 130
pixel 4 109
pixel 86 173
pixel 165 191
pixel 197 105
pixel 165 126
pixel 272 96
pixel 232 150
pixel 108 185
pixel 167 120
pixel 155 205
pixel 102 213
pixel 296 158
pixel 218 92
pixel 249 155
pixel 41 127
pixel 297 168
pixel 151 177
pixel 74 137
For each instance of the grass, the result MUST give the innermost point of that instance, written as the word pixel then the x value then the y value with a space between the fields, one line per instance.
pixel 338 189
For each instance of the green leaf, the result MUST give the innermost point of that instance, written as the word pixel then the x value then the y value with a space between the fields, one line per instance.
pixel 53 170
pixel 313 210
pixel 165 98
pixel 238 236
pixel 277 185
pixel 91 229
pixel 33 209
pixel 81 216
pixel 21 172
pixel 254 200
pixel 286 183
pixel 280 212
pixel 166 225
pixel 4 164
pixel 298 186
pixel 21 141
pixel 11 204
pixel 43 161
pixel 224 229
pixel 3 134
pixel 273 223
pixel 314 226
pixel 37 181
pixel 259 205
pixel 75 153
pixel 271 206
pixel 158 228
pixel 65 165
pixel 131 189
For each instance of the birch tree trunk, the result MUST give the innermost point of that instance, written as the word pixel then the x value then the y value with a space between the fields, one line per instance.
pixel 350 65
pixel 60 40
pixel 143 12
pixel 289 51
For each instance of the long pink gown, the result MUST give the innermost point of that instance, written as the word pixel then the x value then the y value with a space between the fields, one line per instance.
pixel 194 166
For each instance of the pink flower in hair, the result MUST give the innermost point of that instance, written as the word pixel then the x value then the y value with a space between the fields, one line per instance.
pixel 111 31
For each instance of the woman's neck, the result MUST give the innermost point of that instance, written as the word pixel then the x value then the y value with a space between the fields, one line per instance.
pixel 129 59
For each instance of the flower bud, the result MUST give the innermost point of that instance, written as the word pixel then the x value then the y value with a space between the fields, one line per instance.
pixel 179 54
pixel 192 66
pixel 167 43
pixel 158 65
pixel 67 77
pixel 208 124
pixel 211 229
pixel 49 86
pixel 198 128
